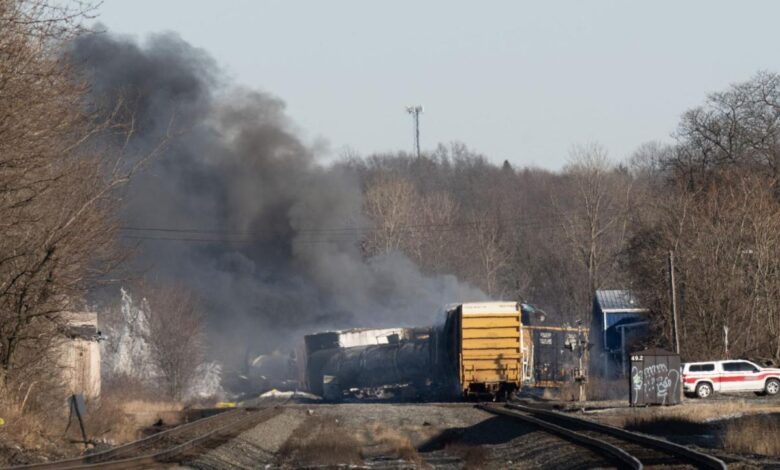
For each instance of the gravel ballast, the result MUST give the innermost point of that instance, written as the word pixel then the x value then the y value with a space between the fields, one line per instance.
pixel 370 435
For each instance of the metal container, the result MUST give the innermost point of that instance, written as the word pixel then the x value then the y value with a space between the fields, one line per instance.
pixel 655 378
pixel 559 355
pixel 394 364
pixel 490 347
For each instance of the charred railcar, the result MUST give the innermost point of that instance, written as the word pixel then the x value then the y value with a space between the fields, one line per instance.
pixel 556 355
pixel 399 368
pixel 364 360
pixel 476 350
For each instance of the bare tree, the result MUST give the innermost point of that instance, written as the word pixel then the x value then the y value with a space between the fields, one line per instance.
pixel 735 128
pixel 55 208
pixel 594 216
pixel 490 253
pixel 725 239
pixel 175 336
pixel 392 204
pixel 419 225
pixel 58 182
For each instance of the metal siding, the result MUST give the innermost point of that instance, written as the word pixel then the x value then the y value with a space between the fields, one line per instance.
pixel 489 308
pixel 553 362
pixel 612 332
pixel 654 378
pixel 366 337
pixel 490 347
pixel 616 300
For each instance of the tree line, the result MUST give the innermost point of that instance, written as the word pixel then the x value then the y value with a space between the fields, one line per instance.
pixel 63 162
pixel 553 238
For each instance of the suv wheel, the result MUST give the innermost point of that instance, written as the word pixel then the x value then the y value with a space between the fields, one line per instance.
pixel 703 390
pixel 772 387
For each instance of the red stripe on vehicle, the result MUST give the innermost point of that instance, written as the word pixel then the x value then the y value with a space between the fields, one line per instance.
pixel 729 378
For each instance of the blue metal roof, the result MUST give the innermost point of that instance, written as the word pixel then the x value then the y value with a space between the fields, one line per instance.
pixel 617 300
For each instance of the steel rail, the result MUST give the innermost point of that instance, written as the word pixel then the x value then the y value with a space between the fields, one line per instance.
pixel 614 453
pixel 699 459
pixel 121 457
pixel 169 454
pixel 115 452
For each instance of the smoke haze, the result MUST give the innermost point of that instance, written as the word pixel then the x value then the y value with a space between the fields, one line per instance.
pixel 278 262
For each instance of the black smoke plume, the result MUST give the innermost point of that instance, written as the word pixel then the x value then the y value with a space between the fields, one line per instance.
pixel 278 262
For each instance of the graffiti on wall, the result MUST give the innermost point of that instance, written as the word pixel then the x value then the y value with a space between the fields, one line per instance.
pixel 654 384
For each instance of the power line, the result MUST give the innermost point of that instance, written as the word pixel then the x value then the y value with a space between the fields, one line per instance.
pixel 527 221
pixel 345 234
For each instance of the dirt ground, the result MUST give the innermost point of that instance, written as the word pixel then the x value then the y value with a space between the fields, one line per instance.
pixel 395 436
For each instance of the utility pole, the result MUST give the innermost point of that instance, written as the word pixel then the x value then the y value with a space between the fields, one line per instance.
pixel 673 294
pixel 415 111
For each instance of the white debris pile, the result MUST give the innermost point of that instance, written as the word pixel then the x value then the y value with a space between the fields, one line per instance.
pixel 274 393
pixel 125 351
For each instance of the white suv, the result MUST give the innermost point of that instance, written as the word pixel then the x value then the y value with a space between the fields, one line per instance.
pixel 702 378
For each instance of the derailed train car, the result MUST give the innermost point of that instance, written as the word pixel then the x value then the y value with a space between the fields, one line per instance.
pixel 477 350
pixel 556 355
pixel 364 361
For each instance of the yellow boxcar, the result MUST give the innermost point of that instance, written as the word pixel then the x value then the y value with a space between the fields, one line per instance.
pixel 490 348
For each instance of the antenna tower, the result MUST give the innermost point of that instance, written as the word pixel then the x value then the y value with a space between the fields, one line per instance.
pixel 415 111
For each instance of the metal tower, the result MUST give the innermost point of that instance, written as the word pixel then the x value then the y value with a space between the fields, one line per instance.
pixel 415 111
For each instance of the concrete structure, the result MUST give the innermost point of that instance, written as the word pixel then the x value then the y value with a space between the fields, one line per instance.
pixel 618 321
pixel 79 357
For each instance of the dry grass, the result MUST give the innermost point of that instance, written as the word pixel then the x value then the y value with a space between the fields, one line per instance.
pixel 36 416
pixel 127 419
pixel 146 406
pixel 321 441
pixel 742 426
pixel 126 407
pixel 24 429
pixel 31 431
pixel 395 444
pixel 106 420
pixel 755 434
pixel 693 412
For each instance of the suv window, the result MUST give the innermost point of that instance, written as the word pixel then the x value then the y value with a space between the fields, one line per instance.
pixel 739 367
pixel 702 368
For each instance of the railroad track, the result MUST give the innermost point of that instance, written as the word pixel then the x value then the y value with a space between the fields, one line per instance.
pixel 625 448
pixel 170 445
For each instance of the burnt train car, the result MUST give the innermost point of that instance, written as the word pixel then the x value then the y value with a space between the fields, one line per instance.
pixel 364 361
pixel 477 350
pixel 556 355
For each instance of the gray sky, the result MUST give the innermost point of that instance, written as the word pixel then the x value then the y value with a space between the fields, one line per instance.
pixel 515 80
